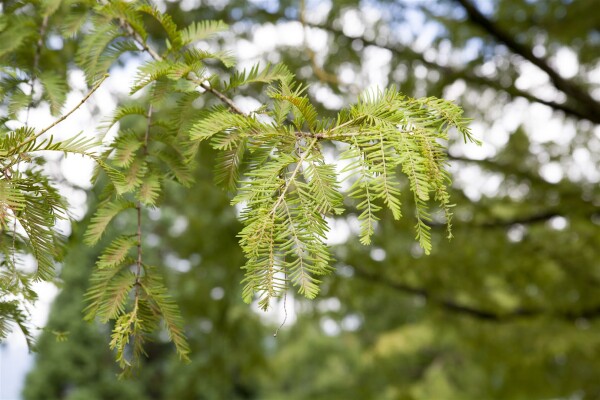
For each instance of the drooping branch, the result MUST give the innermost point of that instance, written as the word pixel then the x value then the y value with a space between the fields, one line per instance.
pixel 578 94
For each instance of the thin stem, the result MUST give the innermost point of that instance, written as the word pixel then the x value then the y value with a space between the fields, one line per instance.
pixel 65 116
pixel 285 313
pixel 206 86
pixel 14 242
pixel 293 176
pixel 138 207
pixel 147 133
pixel 138 266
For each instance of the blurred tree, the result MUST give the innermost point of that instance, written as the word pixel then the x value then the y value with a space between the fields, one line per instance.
pixel 507 310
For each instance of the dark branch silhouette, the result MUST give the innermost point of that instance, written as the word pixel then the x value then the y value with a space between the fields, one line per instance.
pixel 474 312
pixel 589 107
pixel 453 73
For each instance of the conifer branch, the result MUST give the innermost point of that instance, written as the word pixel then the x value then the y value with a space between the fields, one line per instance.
pixel 288 189
pixel 157 57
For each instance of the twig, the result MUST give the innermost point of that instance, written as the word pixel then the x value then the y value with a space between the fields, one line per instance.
pixel 285 314
pixel 138 207
pixel 65 116
pixel 206 86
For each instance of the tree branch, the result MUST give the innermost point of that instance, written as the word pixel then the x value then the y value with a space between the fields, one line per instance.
pixel 448 71
pixel 319 71
pixel 585 100
pixel 474 312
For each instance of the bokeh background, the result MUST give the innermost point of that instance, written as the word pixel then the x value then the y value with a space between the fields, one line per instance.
pixel 508 309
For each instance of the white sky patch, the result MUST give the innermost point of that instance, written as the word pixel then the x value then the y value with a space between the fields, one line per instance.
pixel 316 40
pixel 247 104
pixel 554 129
pixel 327 97
pixel 339 232
pixel 566 62
pixel 317 11
pixel 558 223
pixel 188 5
pixel 425 36
pixel 376 66
pixel 530 77
pixel 347 73
pixel 246 50
pixel 594 76
pixel 455 90
pixel 352 24
pixel 351 322
pixel 378 254
pixel 475 182
pixel 330 327
pixel 267 37
pixel 78 170
pixel 552 172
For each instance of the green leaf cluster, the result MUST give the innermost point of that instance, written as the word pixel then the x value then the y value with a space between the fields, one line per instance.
pixel 288 189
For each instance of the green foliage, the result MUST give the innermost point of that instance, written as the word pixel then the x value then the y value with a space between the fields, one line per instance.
pixel 201 30
pixel 511 299
pixel 272 160
pixel 104 215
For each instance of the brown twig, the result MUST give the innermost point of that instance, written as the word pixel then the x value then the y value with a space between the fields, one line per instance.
pixel 65 116
pixel 138 206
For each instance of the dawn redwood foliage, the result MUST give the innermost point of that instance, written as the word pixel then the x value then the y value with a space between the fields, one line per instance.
pixel 271 160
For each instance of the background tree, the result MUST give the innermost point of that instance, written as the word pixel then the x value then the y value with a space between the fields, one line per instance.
pixel 509 308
